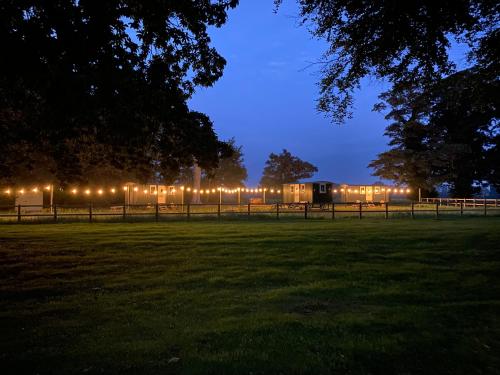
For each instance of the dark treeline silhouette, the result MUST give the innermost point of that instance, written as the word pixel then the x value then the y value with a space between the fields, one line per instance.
pixel 94 91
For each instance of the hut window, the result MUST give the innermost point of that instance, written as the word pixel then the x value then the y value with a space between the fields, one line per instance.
pixel 303 187
pixel 377 190
pixel 362 190
pixel 322 188
pixel 291 188
pixel 152 189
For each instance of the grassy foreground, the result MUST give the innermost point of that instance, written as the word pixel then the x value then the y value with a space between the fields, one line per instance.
pixel 288 297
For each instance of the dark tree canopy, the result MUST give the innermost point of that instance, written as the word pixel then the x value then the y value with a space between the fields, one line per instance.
pixel 399 41
pixel 447 134
pixel 92 91
pixel 231 170
pixel 285 168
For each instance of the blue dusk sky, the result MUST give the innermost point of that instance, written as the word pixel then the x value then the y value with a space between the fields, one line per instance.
pixel 266 98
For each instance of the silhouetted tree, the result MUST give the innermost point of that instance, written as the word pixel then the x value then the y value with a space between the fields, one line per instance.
pixel 92 90
pixel 446 134
pixel 400 41
pixel 285 168
pixel 230 171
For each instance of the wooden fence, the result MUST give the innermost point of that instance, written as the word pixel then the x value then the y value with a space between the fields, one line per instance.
pixel 466 202
pixel 159 212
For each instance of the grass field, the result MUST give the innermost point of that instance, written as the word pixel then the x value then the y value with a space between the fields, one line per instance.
pixel 257 297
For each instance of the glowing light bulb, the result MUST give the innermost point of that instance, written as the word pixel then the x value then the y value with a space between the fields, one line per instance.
pixel 182 187
pixel 21 191
pixel 279 191
pixel 35 190
pixel 113 190
pixel 145 191
pixel 87 192
pixel 74 191
pixel 201 191
pixel 99 191
pixel 7 191
pixel 407 190
pixel 47 187
pixel 125 188
pixel 195 190
pixel 188 189
pixel 401 191
pixel 335 191
pixel 136 189
pixel 272 190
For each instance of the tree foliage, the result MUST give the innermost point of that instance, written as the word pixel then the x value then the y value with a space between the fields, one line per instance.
pixel 97 90
pixel 231 170
pixel 447 134
pixel 285 168
pixel 400 41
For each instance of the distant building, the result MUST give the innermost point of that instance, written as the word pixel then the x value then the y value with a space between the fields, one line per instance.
pixel 308 192
pixel 149 194
pixel 320 192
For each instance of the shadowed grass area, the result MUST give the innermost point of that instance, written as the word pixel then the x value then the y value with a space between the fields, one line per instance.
pixel 235 297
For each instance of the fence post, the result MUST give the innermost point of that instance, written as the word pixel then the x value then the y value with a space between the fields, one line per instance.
pixel 124 212
pixel 485 207
pixel 387 210
pixel 277 210
pixel 461 208
pixel 333 211
pixel 360 210
pixel 412 210
pixel 157 212
pixel 188 212
pixel 18 212
pixel 437 209
pixel 305 210
pixel 218 211
pixel 55 212
pixel 90 212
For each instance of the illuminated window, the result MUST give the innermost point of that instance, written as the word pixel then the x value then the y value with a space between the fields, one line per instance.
pixel 362 190
pixel 171 190
pixel 322 188
pixel 377 190
pixel 152 189
pixel 303 187
pixel 291 188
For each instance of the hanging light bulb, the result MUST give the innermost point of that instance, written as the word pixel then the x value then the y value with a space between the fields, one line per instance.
pixel 47 187
pixel 74 191
pixel 87 192
pixel 125 188
pixel 21 191
pixel 188 189
pixel 99 191
pixel 35 190
pixel 113 190
pixel 7 191
pixel 136 188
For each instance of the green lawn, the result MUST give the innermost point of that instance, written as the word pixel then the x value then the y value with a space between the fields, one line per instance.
pixel 257 297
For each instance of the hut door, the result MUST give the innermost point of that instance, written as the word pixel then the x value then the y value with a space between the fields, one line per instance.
pixel 369 193
pixel 296 195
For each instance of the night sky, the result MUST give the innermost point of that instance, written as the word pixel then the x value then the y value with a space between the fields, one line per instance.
pixel 267 95
pixel 266 98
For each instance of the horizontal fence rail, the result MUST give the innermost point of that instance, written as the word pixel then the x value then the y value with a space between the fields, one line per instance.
pixel 429 207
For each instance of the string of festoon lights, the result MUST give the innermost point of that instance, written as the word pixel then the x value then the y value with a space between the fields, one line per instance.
pixel 218 190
